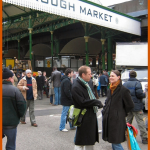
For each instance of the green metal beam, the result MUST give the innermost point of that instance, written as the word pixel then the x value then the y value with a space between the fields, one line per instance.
pixel 6 13
pixel 7 5
pixel 86 44
pixel 52 45
pixel 109 54
pixel 13 18
pixel 30 37
pixel 103 54
pixel 42 29
pixel 19 49
pixel 43 18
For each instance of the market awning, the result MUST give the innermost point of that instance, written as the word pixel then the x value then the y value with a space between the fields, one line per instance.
pixel 84 11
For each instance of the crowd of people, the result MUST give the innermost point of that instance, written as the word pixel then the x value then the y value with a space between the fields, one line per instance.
pixel 82 90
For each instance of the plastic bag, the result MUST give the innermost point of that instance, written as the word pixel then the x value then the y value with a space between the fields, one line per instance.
pixel 132 143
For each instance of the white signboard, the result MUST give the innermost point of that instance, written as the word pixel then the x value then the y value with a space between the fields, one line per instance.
pixel 84 11
pixel 132 54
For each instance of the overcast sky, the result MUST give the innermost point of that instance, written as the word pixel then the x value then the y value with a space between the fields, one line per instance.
pixel 109 2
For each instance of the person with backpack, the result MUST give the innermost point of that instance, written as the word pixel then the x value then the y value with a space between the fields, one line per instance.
pixel 137 94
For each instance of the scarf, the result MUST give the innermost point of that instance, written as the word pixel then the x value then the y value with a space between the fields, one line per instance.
pixel 91 95
pixel 114 86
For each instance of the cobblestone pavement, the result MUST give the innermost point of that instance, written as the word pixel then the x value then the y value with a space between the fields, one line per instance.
pixel 47 135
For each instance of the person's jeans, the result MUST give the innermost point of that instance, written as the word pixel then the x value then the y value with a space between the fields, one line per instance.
pixel 40 94
pixel 51 99
pixel 63 118
pixel 104 89
pixel 46 91
pixel 98 91
pixel 57 95
pixel 11 138
pixel 117 147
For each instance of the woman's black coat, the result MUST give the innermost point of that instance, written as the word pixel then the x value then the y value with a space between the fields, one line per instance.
pixel 114 112
pixel 87 133
pixel 40 82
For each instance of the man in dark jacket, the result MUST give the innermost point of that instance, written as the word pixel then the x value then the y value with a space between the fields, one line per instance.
pixel 103 81
pixel 83 98
pixel 40 85
pixel 56 78
pixel 14 107
pixel 66 97
pixel 137 94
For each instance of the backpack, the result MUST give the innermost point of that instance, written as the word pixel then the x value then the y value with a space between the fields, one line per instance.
pixel 95 80
pixel 75 116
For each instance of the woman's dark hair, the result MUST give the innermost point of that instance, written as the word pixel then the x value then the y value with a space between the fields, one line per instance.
pixel 67 71
pixel 117 73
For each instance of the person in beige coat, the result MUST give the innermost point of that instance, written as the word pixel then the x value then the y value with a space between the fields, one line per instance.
pixel 15 79
pixel 28 87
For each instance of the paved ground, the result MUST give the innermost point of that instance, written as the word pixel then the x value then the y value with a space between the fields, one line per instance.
pixel 47 135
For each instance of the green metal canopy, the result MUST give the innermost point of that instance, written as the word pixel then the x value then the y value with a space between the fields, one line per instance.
pixel 25 18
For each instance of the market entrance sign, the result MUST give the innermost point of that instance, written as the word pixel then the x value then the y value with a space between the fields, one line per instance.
pixel 84 11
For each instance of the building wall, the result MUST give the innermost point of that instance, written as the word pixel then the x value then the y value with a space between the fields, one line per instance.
pixel 132 6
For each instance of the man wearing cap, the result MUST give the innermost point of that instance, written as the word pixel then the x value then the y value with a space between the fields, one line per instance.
pixel 14 107
pixel 40 85
pixel 27 85
pixel 137 94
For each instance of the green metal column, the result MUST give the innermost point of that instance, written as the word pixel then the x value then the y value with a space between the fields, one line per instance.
pixel 103 54
pixel 109 54
pixel 30 37
pixel 33 62
pixel 52 46
pixel 18 49
pixel 86 37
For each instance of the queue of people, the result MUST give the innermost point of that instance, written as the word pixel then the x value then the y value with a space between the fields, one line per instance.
pixel 121 101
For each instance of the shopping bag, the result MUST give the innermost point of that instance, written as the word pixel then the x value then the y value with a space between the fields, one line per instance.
pixel 75 116
pixel 135 131
pixel 132 143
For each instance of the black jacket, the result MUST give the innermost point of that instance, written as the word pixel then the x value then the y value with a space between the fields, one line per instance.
pixel 40 82
pixel 114 112
pixel 136 92
pixel 66 96
pixel 14 105
pixel 87 133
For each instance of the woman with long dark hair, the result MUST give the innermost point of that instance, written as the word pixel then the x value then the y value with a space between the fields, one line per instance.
pixel 117 105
